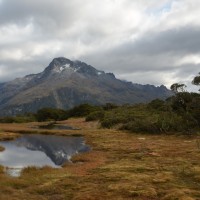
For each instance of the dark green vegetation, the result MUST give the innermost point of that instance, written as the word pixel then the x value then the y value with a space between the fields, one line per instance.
pixel 54 114
pixel 179 113
pixel 18 119
pixel 48 114
pixel 196 80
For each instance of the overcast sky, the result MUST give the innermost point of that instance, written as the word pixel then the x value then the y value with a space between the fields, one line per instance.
pixel 143 41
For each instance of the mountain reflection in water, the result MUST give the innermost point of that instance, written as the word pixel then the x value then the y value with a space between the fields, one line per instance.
pixel 40 150
pixel 58 148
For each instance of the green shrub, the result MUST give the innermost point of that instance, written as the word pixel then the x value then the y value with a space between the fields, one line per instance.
pixel 110 122
pixel 82 110
pixel 157 104
pixel 97 115
pixel 17 119
pixel 169 122
pixel 140 126
pixel 109 106
pixel 48 114
pixel 7 120
pixel 158 116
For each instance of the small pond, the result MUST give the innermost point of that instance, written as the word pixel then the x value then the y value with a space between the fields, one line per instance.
pixel 39 150
pixel 53 126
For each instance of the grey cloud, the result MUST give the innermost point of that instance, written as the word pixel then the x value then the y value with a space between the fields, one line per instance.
pixel 179 41
pixel 16 69
pixel 16 11
pixel 189 70
pixel 48 17
pixel 153 56
pixel 99 33
pixel 151 52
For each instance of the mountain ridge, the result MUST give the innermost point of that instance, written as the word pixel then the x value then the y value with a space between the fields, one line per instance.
pixel 65 83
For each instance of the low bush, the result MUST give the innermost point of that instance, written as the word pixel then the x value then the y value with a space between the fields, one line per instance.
pixel 17 119
pixel 83 110
pixel 97 115
pixel 49 114
pixel 109 106
pixel 140 126
pixel 110 122
pixel 157 104
pixel 156 117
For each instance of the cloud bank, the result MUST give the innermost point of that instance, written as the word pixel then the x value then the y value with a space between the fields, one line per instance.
pixel 155 42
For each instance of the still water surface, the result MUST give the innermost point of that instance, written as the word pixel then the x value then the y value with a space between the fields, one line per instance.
pixel 53 126
pixel 39 150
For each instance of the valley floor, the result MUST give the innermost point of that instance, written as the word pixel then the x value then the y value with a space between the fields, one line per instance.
pixel 120 166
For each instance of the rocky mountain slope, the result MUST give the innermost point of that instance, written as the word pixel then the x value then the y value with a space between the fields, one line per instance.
pixel 65 83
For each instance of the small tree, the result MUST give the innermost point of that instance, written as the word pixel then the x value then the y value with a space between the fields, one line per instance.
pixel 177 87
pixel 196 80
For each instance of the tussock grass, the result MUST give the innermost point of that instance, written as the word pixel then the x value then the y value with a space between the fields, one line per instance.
pixel 120 166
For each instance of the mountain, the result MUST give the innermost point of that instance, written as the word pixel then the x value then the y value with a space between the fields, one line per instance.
pixel 65 83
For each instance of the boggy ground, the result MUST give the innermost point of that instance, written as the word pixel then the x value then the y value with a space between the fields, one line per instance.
pixel 120 166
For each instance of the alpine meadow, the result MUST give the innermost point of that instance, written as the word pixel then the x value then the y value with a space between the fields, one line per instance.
pixel 99 100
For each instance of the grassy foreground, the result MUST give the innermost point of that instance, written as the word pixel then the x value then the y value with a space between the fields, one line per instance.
pixel 120 166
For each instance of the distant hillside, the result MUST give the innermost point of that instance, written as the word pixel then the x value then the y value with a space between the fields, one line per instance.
pixel 65 83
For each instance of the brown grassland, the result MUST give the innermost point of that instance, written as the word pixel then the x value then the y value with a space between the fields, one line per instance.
pixel 121 165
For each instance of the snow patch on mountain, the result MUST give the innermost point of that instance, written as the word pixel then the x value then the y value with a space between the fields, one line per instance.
pixel 99 73
pixel 64 67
